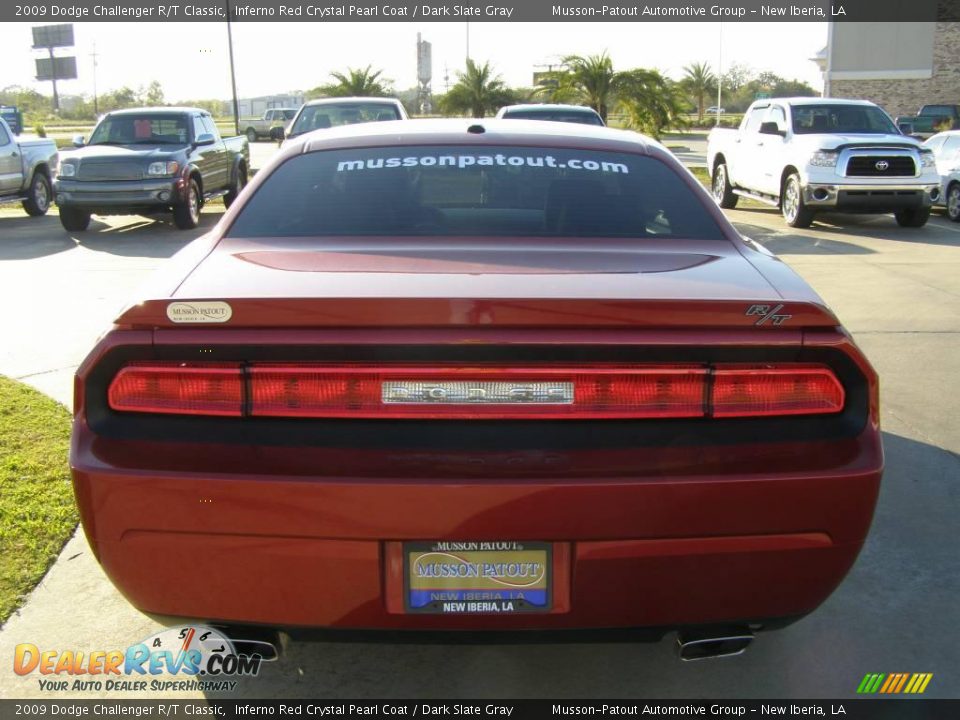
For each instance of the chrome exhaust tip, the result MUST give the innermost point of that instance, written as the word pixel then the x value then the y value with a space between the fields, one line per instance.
pixel 710 643
pixel 269 644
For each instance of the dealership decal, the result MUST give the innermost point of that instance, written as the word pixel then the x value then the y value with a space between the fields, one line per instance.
pixel 199 312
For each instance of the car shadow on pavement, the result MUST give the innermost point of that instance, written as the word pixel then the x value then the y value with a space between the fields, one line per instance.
pixel 26 238
pixel 896 609
pixel 938 231
pixel 781 242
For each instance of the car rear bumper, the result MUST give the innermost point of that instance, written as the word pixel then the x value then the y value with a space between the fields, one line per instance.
pixel 651 550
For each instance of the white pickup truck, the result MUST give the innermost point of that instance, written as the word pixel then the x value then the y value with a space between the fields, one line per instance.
pixel 814 155
pixel 26 167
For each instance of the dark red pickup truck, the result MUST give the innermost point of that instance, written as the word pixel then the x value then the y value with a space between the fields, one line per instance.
pixel 478 375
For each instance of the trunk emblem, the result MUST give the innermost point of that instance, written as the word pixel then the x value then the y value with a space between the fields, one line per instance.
pixel 768 312
pixel 476 392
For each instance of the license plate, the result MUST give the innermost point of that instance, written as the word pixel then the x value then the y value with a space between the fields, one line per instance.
pixel 464 578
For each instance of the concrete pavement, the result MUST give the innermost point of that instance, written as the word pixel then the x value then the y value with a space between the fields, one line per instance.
pixel 898 291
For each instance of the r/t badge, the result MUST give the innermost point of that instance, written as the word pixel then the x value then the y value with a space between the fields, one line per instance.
pixel 768 312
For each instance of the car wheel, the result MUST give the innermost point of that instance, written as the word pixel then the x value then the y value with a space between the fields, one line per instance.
pixel 186 214
pixel 795 212
pixel 953 202
pixel 721 189
pixel 912 217
pixel 73 219
pixel 251 135
pixel 238 184
pixel 38 199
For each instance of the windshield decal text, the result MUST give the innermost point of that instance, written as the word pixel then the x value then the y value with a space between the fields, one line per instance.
pixel 465 161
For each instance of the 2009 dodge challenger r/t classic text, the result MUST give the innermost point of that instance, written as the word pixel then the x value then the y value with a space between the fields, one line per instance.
pixel 478 375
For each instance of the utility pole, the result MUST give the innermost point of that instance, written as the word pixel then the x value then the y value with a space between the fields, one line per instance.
pixel 468 42
pixel 56 97
pixel 233 75
pixel 720 75
pixel 96 109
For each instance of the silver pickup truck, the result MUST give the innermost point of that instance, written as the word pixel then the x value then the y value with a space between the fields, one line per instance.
pixel 271 125
pixel 26 167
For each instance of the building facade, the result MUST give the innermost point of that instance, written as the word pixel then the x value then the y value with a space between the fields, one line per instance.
pixel 899 66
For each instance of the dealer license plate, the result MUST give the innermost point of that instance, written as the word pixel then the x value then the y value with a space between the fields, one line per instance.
pixel 461 578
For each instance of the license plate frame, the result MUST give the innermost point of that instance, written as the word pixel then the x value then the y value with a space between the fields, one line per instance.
pixel 490 594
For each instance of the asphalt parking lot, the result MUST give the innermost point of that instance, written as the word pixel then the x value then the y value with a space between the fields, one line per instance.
pixel 897 290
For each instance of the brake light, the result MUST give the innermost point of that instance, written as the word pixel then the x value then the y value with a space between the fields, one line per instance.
pixel 473 393
pixel 749 392
pixel 178 388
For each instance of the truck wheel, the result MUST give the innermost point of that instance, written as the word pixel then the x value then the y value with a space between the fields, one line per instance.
pixel 795 212
pixel 238 184
pixel 912 217
pixel 721 189
pixel 251 135
pixel 37 201
pixel 186 213
pixel 953 202
pixel 73 219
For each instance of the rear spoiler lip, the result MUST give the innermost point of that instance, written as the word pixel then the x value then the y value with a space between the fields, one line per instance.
pixel 761 314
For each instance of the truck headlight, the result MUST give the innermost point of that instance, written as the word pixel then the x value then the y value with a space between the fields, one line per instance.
pixel 926 159
pixel 68 170
pixel 162 169
pixel 824 158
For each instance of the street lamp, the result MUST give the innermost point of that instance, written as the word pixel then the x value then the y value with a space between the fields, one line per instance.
pixel 233 75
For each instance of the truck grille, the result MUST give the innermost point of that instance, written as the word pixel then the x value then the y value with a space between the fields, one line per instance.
pixel 110 171
pixel 881 166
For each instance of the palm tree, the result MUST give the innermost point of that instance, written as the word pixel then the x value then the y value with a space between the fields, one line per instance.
pixel 478 91
pixel 356 82
pixel 651 101
pixel 699 80
pixel 592 79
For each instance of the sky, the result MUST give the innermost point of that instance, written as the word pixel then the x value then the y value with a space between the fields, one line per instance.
pixel 190 60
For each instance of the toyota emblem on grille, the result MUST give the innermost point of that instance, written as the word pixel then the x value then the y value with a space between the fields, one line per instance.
pixel 882 165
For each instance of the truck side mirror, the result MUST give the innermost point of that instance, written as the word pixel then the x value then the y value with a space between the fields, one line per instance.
pixel 905 127
pixel 79 141
pixel 205 139
pixel 280 132
pixel 771 128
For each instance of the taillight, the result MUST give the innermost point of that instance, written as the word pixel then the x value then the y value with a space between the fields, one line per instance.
pixel 182 389
pixel 474 393
pixel 752 391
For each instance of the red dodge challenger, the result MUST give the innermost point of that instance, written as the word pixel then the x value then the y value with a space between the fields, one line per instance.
pixel 478 376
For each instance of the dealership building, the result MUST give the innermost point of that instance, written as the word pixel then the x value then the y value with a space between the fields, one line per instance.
pixel 899 66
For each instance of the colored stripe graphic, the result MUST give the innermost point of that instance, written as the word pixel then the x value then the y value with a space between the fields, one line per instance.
pixel 894 683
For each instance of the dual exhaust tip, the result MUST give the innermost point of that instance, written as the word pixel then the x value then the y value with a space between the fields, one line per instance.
pixel 708 643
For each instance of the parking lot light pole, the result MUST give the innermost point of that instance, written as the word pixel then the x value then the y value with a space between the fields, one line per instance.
pixel 233 74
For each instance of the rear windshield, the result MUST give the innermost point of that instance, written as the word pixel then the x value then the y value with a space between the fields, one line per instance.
pixel 475 191
pixel 571 116
pixel 316 117
pixel 829 119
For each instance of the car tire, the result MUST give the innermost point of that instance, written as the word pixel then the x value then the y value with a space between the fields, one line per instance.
pixel 251 135
pixel 721 189
pixel 912 217
pixel 239 182
pixel 39 196
pixel 186 213
pixel 953 202
pixel 795 212
pixel 73 219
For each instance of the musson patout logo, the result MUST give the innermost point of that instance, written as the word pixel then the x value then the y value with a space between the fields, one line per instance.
pixel 195 657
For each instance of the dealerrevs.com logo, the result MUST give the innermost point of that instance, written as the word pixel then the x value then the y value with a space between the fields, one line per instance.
pixel 195 657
